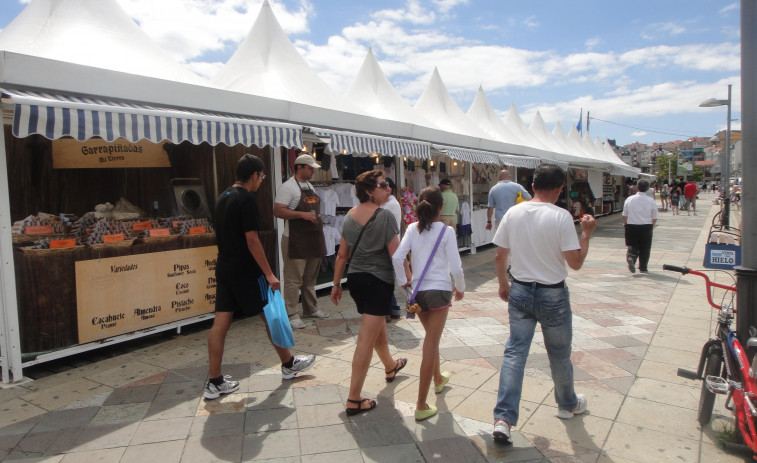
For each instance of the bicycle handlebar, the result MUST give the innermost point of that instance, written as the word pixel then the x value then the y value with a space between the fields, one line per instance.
pixel 710 284
pixel 675 268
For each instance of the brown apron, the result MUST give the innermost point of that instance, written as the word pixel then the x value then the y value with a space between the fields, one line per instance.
pixel 306 238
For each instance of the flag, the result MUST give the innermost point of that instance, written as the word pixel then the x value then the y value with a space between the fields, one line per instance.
pixel 580 118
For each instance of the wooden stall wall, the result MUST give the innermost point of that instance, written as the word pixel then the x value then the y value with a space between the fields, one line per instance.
pixel 45 280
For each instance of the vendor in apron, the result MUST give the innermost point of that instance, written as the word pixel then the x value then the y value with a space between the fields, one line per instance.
pixel 302 244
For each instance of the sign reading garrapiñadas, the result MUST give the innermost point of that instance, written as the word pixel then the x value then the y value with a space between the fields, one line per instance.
pixel 96 153
pixel 119 295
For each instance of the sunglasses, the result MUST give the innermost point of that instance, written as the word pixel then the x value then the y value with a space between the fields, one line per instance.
pixel 384 185
pixel 262 176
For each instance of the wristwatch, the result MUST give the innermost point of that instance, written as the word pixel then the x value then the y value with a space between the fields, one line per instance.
pixel 337 285
pixel 488 221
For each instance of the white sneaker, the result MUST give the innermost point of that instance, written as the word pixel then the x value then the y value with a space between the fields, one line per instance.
pixel 580 408
pixel 318 314
pixel 501 432
pixel 301 363
pixel 227 387
pixel 298 324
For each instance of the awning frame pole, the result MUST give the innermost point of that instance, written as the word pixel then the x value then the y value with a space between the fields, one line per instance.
pixel 10 340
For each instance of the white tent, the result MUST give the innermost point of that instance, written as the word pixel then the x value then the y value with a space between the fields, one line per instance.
pixel 372 92
pixel 482 113
pixel 95 33
pixel 267 64
pixel 539 129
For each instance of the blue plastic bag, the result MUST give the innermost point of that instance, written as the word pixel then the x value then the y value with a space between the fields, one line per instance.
pixel 278 320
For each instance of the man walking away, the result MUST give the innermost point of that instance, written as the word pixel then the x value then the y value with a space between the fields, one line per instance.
pixel 302 243
pixel 242 274
pixel 538 238
pixel 502 197
pixel 690 193
pixel 639 217
pixel 451 207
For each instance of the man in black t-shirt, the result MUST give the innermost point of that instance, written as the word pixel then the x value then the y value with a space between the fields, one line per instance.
pixel 242 274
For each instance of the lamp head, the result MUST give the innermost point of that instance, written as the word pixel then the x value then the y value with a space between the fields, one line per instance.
pixel 712 102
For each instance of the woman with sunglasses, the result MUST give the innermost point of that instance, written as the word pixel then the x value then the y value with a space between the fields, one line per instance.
pixel 369 238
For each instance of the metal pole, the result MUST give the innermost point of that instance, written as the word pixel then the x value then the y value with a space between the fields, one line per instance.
pixel 725 220
pixel 747 274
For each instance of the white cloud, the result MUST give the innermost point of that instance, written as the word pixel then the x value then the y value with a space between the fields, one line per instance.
pixel 592 42
pixel 728 8
pixel 639 134
pixel 656 30
pixel 531 22
pixel 445 5
pixel 413 13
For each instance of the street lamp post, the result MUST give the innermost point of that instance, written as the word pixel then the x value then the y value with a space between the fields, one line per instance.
pixel 725 170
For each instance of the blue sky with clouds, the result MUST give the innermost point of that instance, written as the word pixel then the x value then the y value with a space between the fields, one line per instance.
pixel 644 64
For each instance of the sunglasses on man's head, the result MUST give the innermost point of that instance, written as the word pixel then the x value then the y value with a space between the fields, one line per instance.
pixel 383 185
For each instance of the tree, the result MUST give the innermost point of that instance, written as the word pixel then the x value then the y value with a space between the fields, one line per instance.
pixel 662 167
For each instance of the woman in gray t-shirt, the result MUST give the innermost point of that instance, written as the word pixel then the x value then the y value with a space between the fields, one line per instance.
pixel 370 279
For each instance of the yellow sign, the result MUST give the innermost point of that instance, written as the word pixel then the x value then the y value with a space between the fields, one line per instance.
pixel 123 294
pixel 96 153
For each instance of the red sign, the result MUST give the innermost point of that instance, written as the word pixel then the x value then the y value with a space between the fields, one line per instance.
pixel 113 238
pixel 39 230
pixel 197 230
pixel 141 226
pixel 160 232
pixel 60 244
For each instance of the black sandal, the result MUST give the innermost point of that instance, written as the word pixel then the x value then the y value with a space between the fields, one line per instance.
pixel 360 409
pixel 400 365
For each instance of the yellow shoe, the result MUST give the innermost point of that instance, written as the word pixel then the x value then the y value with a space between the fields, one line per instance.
pixel 422 415
pixel 438 389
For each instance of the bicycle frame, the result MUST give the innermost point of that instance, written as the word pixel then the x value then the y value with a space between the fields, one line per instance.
pixel 736 379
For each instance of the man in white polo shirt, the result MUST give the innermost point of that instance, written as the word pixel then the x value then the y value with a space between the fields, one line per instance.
pixel 639 217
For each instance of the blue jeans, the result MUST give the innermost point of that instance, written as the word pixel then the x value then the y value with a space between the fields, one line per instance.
pixel 550 307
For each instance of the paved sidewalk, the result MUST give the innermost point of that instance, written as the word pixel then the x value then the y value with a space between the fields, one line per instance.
pixel 142 402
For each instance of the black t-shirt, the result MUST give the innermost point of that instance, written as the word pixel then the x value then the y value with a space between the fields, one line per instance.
pixel 236 213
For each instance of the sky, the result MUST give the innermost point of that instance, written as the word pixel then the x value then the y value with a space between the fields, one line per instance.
pixel 640 68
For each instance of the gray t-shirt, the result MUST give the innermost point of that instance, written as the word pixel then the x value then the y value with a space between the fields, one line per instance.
pixel 371 255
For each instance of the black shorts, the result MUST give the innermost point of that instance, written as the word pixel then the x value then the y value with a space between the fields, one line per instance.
pixel 433 299
pixel 372 296
pixel 246 296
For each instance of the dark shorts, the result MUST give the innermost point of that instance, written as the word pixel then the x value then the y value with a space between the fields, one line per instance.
pixel 246 296
pixel 433 299
pixel 372 296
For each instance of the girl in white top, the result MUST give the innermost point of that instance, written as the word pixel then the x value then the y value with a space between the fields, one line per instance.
pixel 435 291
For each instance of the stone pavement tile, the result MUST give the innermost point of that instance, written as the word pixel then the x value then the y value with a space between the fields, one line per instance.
pixel 405 453
pixel 46 442
pixel 101 456
pixel 325 439
pixel 116 414
pixel 219 448
pixel 163 452
pixel 224 424
pixel 124 374
pixel 631 366
pixel 230 403
pixel 585 431
pixel 313 416
pixel 62 419
pixel 19 416
pixel 153 379
pixel 668 419
pixel 174 400
pixel 458 353
pixel 623 341
pixel 675 357
pixel 162 430
pixel 267 382
pixel 351 456
pixel 622 384
pixel 595 366
pixel 170 358
pixel 316 395
pixel 467 376
pixel 272 419
pixel 180 375
pixel 613 354
pixel 60 395
pixel 711 453
pixel 602 404
pixel 668 329
pixel 131 394
pixel 521 449
pixel 692 343
pixel 640 444
pixel 105 437
pixel 380 434
pixel 604 458
pixel 638 351
pixel 458 449
pixel 676 320
pixel 559 452
pixel 661 372
pixel 441 426
pixel 277 398
pixel 667 393
pixel 7 443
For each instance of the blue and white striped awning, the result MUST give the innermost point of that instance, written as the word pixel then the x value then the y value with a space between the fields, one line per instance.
pixel 56 116
pixel 526 162
pixel 487 157
pixel 359 144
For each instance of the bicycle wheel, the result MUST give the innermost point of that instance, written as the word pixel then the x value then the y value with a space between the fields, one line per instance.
pixel 707 398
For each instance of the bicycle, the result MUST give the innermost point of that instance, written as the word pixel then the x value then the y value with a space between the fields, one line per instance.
pixel 724 367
